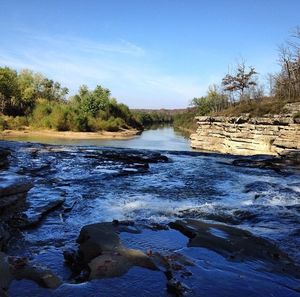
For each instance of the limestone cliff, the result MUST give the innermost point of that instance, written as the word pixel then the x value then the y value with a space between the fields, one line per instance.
pixel 247 135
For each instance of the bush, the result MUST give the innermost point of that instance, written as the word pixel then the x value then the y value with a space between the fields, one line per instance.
pixel 81 123
pixel 3 125
pixel 59 119
pixel 297 115
pixel 186 120
pixel 13 123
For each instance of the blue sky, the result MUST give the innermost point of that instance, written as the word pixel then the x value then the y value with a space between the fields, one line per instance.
pixel 150 54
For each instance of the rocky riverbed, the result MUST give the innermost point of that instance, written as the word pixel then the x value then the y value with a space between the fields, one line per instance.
pixel 90 221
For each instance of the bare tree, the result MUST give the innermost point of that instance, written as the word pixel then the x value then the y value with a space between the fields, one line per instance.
pixel 288 79
pixel 241 80
pixel 271 78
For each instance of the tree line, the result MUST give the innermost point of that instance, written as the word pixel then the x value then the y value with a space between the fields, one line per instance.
pixel 29 98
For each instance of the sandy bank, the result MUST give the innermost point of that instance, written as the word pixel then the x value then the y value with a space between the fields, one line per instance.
pixel 124 134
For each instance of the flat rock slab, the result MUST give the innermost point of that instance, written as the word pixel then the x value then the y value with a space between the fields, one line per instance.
pixel 236 244
pixel 12 184
pixel 41 201
pixel 13 192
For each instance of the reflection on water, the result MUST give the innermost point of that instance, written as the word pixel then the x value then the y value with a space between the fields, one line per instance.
pixel 162 138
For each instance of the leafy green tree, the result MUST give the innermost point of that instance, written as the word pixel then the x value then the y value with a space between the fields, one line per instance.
pixel 202 104
pixel 214 101
pixel 9 92
pixel 92 102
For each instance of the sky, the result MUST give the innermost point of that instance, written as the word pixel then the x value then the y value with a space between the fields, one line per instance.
pixel 149 53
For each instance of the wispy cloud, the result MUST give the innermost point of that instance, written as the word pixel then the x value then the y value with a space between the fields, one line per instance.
pixel 131 72
pixel 68 43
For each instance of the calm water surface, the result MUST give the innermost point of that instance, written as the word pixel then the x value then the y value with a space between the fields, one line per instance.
pixel 164 138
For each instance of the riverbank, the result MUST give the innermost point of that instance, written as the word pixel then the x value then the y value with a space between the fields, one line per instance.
pixel 123 134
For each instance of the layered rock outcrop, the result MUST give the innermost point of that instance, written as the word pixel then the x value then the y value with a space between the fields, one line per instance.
pixel 245 135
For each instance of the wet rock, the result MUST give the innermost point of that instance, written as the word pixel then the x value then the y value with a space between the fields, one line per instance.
pixel 12 184
pixel 235 244
pixel 37 170
pixel 176 287
pixel 262 164
pixel 244 215
pixel 101 253
pixel 266 193
pixel 174 265
pixel 136 157
pixel 223 215
pixel 4 154
pixel 20 268
pixel 3 293
pixel 13 192
pixel 4 236
pixel 287 160
pixel 42 201
pixel 157 226
pixel 135 168
pixel 5 273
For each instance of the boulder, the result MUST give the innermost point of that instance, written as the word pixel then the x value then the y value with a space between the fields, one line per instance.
pixel 101 253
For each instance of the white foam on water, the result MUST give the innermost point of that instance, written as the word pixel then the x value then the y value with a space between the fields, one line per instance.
pixel 145 207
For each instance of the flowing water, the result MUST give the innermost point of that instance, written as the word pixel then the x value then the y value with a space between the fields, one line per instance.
pixel 191 185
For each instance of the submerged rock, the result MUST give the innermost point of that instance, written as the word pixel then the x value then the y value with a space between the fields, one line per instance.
pixel 176 287
pixel 235 244
pixel 101 253
pixel 16 268
pixel 41 202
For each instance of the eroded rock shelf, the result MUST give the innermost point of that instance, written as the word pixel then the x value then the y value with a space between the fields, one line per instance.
pixel 244 135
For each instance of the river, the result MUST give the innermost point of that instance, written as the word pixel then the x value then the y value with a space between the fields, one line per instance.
pixel 103 186
pixel 161 138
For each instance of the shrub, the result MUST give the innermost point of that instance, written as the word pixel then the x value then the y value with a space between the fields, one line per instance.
pixel 297 115
pixel 3 124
